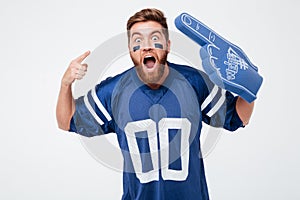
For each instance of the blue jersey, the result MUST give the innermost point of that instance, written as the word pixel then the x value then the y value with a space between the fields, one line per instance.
pixel 158 130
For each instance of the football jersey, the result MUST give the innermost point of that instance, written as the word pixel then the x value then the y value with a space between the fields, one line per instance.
pixel 158 131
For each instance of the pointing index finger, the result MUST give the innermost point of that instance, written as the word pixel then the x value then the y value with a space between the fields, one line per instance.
pixel 80 58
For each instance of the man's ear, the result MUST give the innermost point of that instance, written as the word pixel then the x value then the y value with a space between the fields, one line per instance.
pixel 168 46
pixel 128 46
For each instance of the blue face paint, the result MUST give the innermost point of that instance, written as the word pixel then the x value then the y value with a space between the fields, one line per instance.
pixel 158 46
pixel 136 48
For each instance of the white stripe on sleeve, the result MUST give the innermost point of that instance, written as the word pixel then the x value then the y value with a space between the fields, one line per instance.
pixel 210 97
pixel 89 107
pixel 220 102
pixel 100 106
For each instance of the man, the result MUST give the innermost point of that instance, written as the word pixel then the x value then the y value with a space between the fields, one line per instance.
pixel 156 109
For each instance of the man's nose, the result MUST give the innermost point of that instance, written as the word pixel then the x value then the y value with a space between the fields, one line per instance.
pixel 147 48
pixel 147 45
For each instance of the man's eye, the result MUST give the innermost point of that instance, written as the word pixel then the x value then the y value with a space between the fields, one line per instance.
pixel 137 40
pixel 155 38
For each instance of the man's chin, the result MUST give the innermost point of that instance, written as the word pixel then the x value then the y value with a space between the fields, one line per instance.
pixel 148 77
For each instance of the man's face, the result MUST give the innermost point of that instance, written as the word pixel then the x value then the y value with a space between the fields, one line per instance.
pixel 148 50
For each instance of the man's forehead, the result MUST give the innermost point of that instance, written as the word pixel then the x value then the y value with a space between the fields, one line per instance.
pixel 146 24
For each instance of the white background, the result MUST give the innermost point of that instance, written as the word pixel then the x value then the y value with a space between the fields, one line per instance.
pixel 40 38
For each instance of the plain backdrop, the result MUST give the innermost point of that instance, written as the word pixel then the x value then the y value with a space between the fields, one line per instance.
pixel 40 38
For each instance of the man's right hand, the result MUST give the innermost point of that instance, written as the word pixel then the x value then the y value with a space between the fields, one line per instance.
pixel 76 70
pixel 65 107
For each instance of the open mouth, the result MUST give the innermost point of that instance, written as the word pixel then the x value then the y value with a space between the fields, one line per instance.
pixel 149 61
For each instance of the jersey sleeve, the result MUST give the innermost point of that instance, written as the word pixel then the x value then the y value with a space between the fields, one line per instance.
pixel 92 115
pixel 218 107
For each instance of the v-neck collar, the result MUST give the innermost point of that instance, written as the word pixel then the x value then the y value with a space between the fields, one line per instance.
pixel 154 95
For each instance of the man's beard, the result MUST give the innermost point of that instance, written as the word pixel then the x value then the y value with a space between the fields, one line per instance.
pixel 151 78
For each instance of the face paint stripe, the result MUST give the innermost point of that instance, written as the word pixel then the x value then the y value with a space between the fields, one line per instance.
pixel 136 48
pixel 158 46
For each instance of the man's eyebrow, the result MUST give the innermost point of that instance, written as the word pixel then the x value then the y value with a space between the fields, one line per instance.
pixel 151 33
pixel 156 31
pixel 136 33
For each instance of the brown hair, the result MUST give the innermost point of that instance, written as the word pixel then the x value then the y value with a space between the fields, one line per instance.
pixel 149 14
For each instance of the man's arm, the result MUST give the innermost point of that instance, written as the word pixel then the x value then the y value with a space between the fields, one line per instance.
pixel 65 107
pixel 244 110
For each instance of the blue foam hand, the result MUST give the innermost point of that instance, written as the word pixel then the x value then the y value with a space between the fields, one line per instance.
pixel 225 63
